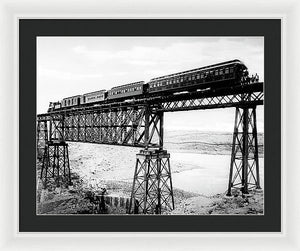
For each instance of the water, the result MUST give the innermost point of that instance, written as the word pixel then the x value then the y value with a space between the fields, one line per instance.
pixel 208 174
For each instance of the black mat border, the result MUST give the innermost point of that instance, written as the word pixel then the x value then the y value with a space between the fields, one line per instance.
pixel 29 29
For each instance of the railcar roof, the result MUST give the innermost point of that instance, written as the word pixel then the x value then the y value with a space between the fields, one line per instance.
pixel 72 97
pixel 201 68
pixel 131 84
pixel 103 90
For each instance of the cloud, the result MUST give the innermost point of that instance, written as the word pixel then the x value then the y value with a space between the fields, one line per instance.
pixel 177 56
pixel 65 75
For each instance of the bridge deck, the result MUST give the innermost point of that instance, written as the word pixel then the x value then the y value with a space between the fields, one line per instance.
pixel 248 95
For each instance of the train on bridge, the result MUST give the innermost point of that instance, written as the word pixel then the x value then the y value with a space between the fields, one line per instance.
pixel 222 75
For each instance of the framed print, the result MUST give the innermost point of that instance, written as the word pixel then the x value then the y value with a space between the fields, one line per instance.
pixel 154 85
pixel 25 47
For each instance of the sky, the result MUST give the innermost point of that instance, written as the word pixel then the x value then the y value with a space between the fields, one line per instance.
pixel 68 66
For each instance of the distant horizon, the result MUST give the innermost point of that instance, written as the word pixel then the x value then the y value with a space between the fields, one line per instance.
pixel 202 131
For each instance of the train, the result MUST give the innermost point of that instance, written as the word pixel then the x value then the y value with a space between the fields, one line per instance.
pixel 222 75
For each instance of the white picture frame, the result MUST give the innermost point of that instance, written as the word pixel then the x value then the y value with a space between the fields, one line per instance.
pixel 11 11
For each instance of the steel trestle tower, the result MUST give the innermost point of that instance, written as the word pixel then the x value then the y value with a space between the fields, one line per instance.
pixel 152 181
pixel 244 165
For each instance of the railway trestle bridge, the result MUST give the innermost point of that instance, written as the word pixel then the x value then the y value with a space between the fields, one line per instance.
pixel 140 123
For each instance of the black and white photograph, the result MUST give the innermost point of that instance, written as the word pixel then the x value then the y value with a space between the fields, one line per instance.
pixel 150 125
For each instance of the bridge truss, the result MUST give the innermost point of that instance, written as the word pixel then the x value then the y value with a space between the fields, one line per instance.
pixel 139 123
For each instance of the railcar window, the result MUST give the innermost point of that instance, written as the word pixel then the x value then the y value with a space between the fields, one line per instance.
pixel 202 75
pixel 193 77
pixel 198 76
pixel 221 72
pixel 216 73
pixel 231 70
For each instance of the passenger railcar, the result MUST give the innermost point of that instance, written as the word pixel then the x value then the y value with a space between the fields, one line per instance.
pixel 128 90
pixel 71 101
pixel 214 76
pixel 93 97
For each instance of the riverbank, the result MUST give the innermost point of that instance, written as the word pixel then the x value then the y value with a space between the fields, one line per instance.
pixel 199 175
pixel 75 199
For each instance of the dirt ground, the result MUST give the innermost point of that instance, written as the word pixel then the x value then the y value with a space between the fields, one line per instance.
pixel 75 199
pixel 96 167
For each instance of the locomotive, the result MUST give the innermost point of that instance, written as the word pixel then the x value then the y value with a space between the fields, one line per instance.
pixel 222 75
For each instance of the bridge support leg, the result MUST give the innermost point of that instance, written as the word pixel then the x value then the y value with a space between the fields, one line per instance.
pixel 152 184
pixel 41 138
pixel 56 163
pixel 244 165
